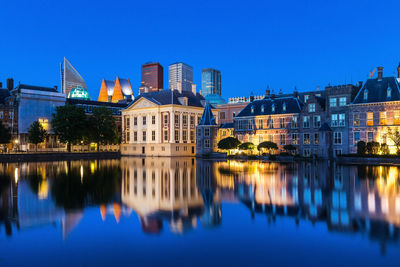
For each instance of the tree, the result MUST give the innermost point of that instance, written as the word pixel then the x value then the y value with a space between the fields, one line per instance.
pixel 395 137
pixel 36 133
pixel 373 148
pixel 247 146
pixel 384 149
pixel 102 126
pixel 5 135
pixel 361 148
pixel 290 148
pixel 270 146
pixel 69 124
pixel 228 143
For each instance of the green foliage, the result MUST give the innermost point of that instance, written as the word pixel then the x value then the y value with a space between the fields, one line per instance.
pixel 373 148
pixel 384 149
pixel 361 148
pixel 70 124
pixel 270 146
pixel 247 146
pixel 395 137
pixel 228 143
pixel 102 128
pixel 36 133
pixel 5 134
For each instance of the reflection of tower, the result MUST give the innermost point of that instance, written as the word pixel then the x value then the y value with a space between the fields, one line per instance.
pixel 208 188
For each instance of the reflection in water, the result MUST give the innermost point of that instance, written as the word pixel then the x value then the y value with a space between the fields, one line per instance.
pixel 175 194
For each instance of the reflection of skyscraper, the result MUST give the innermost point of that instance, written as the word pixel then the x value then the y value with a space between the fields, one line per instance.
pixel 152 78
pixel 70 78
pixel 180 74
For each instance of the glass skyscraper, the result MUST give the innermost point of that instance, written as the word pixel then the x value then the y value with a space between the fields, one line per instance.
pixel 70 78
pixel 210 82
pixel 180 73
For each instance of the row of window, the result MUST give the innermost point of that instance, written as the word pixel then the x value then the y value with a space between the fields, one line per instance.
pixel 308 138
pixel 153 120
pixel 357 137
pixel 337 102
pixel 10 115
pixel 382 118
pixel 153 136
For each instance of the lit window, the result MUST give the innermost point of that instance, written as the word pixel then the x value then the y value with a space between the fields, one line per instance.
pixel 356 119
pixel 283 139
pixel 334 120
pixel 332 102
pixel 316 138
pixel 273 108
pixel 306 98
pixel 295 139
pixel 396 117
pixel 44 123
pixel 389 92
pixel 342 120
pixel 284 107
pixel 382 118
pixel 370 118
pixel 252 109
pixel 365 95
pixel 311 107
pixel 306 122
pixel 342 101
pixel 262 108
pixel 306 139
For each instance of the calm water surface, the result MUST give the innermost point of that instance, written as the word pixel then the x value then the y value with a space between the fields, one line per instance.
pixel 187 212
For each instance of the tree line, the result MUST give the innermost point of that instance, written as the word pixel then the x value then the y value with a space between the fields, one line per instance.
pixel 72 126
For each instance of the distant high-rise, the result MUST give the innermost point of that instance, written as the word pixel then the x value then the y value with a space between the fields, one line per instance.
pixel 70 78
pixel 210 82
pixel 152 78
pixel 180 74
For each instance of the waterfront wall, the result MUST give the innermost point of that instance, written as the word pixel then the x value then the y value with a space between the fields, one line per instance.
pixel 55 156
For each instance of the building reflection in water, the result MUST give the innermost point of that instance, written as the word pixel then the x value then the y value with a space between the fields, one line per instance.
pixel 162 189
pixel 55 193
pixel 175 194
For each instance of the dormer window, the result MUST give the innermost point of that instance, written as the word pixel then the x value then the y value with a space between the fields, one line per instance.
pixel 389 92
pixel 273 108
pixel 284 106
pixel 365 94
pixel 262 108
pixel 252 109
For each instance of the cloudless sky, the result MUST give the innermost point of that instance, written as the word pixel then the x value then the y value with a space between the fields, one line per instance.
pixel 253 43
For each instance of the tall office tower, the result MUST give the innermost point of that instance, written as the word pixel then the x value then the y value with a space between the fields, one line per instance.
pixel 210 82
pixel 70 78
pixel 152 78
pixel 180 72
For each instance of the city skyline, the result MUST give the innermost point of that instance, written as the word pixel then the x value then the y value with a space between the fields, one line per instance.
pixel 325 45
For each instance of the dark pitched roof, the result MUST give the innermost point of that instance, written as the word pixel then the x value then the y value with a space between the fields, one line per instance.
pixel 265 107
pixel 377 91
pixel 38 88
pixel 207 118
pixel 227 125
pixel 164 97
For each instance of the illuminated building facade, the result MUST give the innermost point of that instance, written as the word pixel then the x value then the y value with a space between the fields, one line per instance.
pixel 152 78
pixel 120 90
pixel 162 123
pixel 375 112
pixel 273 119
pixel 206 133
pixel 37 103
pixel 70 78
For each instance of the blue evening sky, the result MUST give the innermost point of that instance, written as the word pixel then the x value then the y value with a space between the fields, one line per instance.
pixel 254 43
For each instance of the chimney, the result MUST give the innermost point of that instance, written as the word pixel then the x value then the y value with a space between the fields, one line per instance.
pixel 10 84
pixel 398 71
pixel 380 73
pixel 251 97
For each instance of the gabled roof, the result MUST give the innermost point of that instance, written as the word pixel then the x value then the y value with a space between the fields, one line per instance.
pixel 207 118
pixel 377 91
pixel 265 107
pixel 165 97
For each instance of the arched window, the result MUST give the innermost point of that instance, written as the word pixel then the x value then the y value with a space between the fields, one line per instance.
pixel 365 94
pixel 273 108
pixel 389 92
pixel 262 108
pixel 284 106
pixel 252 109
